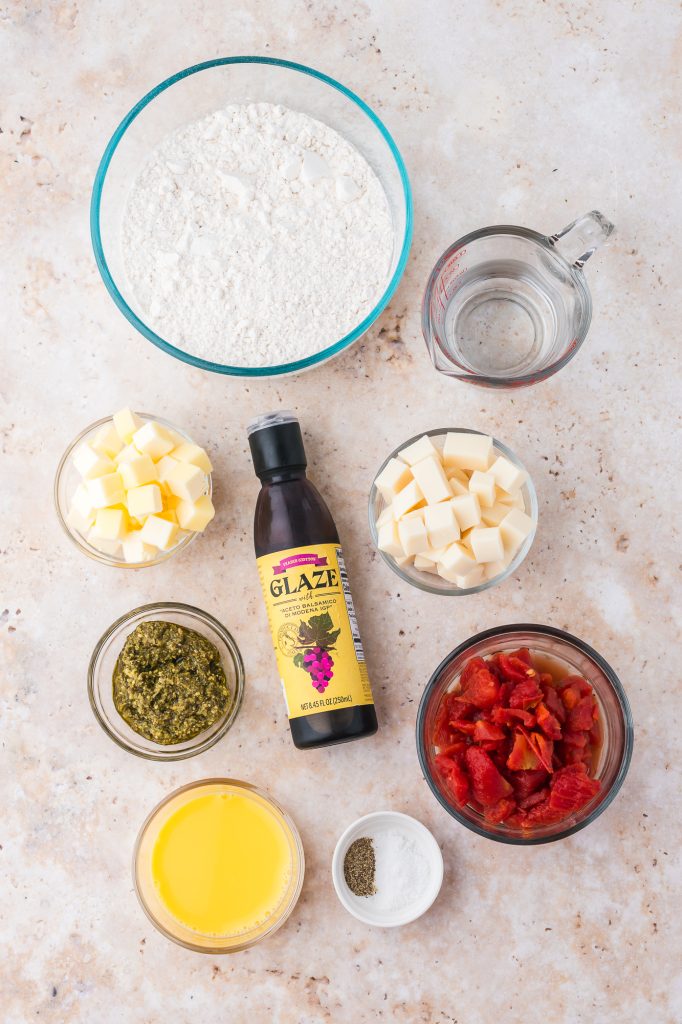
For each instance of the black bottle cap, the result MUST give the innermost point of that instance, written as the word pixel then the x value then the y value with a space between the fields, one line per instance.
pixel 276 443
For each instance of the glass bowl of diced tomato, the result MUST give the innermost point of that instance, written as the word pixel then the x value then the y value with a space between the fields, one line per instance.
pixel 524 734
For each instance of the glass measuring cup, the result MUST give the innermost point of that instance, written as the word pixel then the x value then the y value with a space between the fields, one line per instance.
pixel 507 307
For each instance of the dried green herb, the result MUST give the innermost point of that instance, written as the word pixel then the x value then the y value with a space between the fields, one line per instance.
pixel 359 867
pixel 169 683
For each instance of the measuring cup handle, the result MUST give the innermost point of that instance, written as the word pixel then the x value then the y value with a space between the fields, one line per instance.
pixel 583 236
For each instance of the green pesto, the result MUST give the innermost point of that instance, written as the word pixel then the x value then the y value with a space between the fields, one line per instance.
pixel 169 683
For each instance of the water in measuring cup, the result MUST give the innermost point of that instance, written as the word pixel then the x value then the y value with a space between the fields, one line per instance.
pixel 508 317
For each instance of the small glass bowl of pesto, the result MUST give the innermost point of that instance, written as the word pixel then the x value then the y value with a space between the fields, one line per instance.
pixel 200 641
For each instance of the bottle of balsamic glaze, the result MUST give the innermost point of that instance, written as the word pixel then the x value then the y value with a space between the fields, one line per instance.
pixel 307 596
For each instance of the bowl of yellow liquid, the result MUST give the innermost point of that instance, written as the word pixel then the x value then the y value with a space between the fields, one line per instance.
pixel 218 865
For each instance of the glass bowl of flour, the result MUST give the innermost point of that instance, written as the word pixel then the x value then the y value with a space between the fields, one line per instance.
pixel 251 216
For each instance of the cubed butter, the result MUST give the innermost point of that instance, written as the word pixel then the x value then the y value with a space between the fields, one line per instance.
pixel 158 532
pixel 107 441
pixel 506 475
pixel 472 579
pixel 126 454
pixel 152 439
pixel 454 473
pixel 483 486
pixel 90 463
pixel 79 522
pixel 195 515
pixel 144 501
pixel 515 500
pixel 394 476
pixel 467 510
pixel 494 516
pixel 456 561
pixel 111 548
pixel 432 480
pixel 111 523
pixel 135 549
pixel 486 544
pixel 468 451
pixel 412 535
pixel 418 450
pixel 387 516
pixel 186 481
pixel 126 423
pixel 389 541
pixel 425 564
pixel 457 487
pixel 81 502
pixel 441 525
pixel 137 472
pixel 493 569
pixel 106 490
pixel 188 452
pixel 514 528
pixel 409 498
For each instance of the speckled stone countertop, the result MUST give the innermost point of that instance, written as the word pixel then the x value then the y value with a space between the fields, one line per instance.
pixel 521 112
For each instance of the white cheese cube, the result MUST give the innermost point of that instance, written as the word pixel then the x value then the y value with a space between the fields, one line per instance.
pixel 456 561
pixel 418 450
pixel 81 502
pixel 472 579
pixel 107 442
pixel 467 510
pixel 106 490
pixel 126 423
pixel 412 535
pixel 388 540
pixel 515 500
pixel 137 472
pixel 195 515
pixel 507 476
pixel 494 516
pixel 483 486
pixel 135 550
pixel 90 463
pixel 111 523
pixel 387 516
pixel 186 481
pixel 487 544
pixel 152 439
pixel 78 522
pixel 159 533
pixel 432 480
pixel 407 499
pixel 126 454
pixel 188 452
pixel 394 476
pixel 441 525
pixel 515 527
pixel 144 501
pixel 425 564
pixel 468 451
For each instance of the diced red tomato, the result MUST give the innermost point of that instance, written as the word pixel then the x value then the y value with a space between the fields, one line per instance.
pixel 548 722
pixel 498 812
pixel 522 758
pixel 554 703
pixel 527 782
pixel 525 695
pixel 534 798
pixel 510 716
pixel 580 717
pixel 487 784
pixel 486 732
pixel 515 669
pixel 455 778
pixel 480 687
pixel 572 788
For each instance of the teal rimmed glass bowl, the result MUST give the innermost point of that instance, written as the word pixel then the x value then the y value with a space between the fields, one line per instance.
pixel 198 91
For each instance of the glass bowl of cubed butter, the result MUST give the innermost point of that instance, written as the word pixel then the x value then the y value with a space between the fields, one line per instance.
pixel 453 511
pixel 133 489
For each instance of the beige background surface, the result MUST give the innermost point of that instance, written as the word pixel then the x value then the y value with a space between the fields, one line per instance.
pixel 523 112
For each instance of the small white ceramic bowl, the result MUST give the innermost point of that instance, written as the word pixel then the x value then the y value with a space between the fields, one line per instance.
pixel 361 906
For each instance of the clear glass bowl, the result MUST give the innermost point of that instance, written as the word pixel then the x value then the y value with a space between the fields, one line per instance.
pixel 198 91
pixel 429 581
pixel 67 479
pixel 155 909
pixel 616 722
pixel 101 671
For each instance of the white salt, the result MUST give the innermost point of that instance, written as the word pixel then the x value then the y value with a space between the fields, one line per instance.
pixel 402 870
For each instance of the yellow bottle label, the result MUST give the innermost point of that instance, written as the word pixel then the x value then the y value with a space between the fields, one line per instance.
pixel 314 630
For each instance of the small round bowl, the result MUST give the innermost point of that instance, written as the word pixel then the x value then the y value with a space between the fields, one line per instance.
pixel 148 896
pixel 360 906
pixel 615 714
pixel 101 671
pixel 67 479
pixel 200 90
pixel 431 582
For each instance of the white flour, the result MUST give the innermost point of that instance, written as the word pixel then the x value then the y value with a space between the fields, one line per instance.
pixel 256 236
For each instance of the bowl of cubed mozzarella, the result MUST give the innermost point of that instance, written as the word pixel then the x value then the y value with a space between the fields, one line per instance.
pixel 132 489
pixel 453 511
